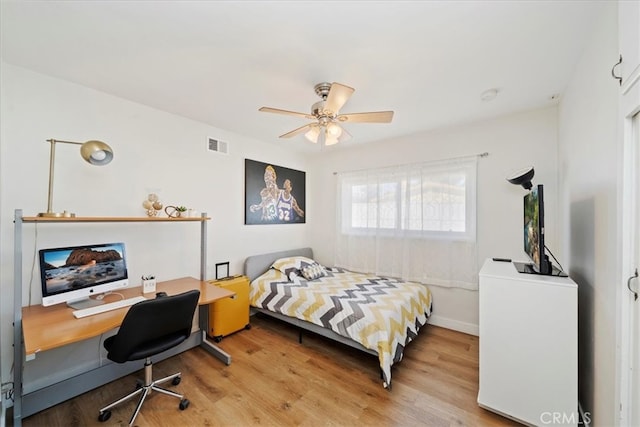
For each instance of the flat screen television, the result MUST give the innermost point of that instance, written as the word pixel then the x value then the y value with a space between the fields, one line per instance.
pixel 533 238
pixel 73 274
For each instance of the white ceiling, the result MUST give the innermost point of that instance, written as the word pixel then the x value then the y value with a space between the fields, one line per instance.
pixel 219 61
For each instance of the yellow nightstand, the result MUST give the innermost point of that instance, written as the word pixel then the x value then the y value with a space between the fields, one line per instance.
pixel 231 314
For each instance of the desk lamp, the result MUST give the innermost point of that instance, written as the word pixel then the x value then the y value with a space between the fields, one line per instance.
pixel 95 152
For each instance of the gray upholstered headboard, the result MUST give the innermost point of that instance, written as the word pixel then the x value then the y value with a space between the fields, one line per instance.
pixel 255 265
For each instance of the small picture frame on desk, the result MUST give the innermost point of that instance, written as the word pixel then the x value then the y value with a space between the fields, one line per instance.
pixel 222 270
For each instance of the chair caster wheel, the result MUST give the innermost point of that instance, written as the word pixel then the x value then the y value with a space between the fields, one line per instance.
pixel 184 404
pixel 218 338
pixel 248 326
pixel 104 416
pixel 176 380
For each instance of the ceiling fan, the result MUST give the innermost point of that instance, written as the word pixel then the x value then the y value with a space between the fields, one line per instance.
pixel 326 128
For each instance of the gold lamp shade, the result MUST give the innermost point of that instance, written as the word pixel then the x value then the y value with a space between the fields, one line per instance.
pixel 95 152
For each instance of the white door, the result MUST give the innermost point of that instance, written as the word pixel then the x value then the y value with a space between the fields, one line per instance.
pixel 633 283
pixel 629 44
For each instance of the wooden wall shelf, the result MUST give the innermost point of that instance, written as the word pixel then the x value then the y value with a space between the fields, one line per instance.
pixel 32 219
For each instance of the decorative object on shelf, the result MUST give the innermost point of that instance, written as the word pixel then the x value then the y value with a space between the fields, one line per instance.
pixel 95 152
pixel 152 204
pixel 265 202
pixel 522 177
pixel 176 211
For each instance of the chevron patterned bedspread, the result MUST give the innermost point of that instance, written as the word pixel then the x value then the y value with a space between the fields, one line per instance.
pixel 380 313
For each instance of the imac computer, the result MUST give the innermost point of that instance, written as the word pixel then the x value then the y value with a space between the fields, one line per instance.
pixel 73 274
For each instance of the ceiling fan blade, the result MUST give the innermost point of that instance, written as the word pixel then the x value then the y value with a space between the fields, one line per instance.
pixel 339 94
pixel 286 112
pixel 297 131
pixel 372 117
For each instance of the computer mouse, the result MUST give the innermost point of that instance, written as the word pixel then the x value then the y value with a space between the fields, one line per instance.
pixel 161 294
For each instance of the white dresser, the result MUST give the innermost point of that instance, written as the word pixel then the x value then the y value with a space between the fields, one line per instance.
pixel 528 345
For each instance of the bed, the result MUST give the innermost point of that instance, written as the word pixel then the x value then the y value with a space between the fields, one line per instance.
pixel 374 314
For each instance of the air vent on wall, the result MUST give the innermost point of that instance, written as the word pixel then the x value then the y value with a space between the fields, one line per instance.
pixel 219 146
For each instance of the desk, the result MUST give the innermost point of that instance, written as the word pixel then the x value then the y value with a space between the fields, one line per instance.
pixel 46 328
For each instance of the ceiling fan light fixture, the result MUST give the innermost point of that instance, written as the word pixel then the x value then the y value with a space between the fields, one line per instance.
pixel 313 133
pixel 330 140
pixel 334 130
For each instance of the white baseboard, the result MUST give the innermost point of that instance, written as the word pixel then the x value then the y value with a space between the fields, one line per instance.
pixel 456 325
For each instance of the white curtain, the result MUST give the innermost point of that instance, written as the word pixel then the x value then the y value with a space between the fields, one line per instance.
pixel 416 221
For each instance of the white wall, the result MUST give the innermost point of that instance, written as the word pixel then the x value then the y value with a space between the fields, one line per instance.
pixel 154 150
pixel 589 156
pixel 515 141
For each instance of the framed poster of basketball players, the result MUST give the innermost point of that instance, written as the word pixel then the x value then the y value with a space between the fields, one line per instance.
pixel 273 194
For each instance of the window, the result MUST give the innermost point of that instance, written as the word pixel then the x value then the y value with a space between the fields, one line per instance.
pixel 414 221
pixel 427 200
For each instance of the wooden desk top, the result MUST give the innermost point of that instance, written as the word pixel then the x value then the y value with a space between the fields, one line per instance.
pixel 45 328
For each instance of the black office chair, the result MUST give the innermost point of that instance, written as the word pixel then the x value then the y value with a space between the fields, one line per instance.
pixel 151 327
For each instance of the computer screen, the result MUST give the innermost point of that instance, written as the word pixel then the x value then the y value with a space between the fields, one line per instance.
pixel 73 274
pixel 534 245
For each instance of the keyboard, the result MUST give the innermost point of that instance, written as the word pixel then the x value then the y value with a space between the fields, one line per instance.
pixel 97 309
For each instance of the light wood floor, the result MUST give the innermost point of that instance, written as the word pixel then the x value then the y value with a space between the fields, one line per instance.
pixel 274 380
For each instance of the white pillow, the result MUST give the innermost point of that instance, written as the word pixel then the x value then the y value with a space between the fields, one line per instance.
pixel 292 264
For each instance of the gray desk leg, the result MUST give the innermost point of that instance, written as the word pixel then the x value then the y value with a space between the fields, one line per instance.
pixel 214 349
pixel 205 343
